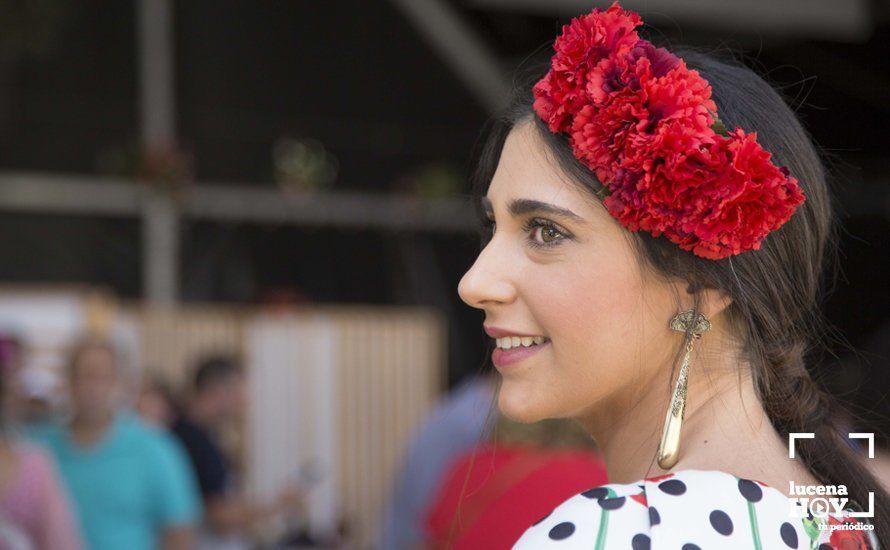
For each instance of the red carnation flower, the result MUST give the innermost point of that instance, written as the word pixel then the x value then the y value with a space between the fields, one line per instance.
pixel 589 38
pixel 599 136
pixel 645 124
pixel 660 59
pixel 556 100
pixel 582 44
pixel 736 209
pixel 627 127
pixel 626 202
pixel 680 93
pixel 626 67
pixel 611 74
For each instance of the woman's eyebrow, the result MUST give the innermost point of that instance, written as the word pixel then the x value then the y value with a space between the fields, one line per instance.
pixel 519 207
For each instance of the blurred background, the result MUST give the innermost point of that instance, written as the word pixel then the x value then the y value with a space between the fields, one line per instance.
pixel 285 184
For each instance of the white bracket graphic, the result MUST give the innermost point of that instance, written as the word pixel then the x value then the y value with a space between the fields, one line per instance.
pixel 871 441
pixel 797 435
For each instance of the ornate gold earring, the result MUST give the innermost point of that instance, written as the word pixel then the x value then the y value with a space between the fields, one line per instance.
pixel 669 448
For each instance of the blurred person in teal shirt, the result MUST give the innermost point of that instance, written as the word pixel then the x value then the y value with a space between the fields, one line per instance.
pixel 131 482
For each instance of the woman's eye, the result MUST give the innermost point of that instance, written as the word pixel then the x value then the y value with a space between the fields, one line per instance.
pixel 544 233
pixel 548 234
pixel 541 233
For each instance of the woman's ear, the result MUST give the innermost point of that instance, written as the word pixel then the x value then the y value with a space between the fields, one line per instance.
pixel 713 302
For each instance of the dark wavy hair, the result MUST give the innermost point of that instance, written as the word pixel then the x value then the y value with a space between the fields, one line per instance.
pixel 777 291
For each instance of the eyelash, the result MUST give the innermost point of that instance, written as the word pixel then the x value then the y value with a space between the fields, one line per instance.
pixel 530 225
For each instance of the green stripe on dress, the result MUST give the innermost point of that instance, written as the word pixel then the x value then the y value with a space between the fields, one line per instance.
pixel 752 519
pixel 755 530
pixel 604 523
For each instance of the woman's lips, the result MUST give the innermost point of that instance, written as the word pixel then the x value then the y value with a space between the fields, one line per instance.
pixel 503 357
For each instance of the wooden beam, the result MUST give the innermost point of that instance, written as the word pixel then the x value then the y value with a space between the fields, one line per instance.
pixel 233 203
pixel 157 106
pixel 461 49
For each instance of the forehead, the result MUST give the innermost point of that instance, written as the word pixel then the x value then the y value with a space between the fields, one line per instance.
pixel 527 170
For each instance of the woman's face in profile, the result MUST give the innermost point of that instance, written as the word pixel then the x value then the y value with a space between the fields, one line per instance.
pixel 559 266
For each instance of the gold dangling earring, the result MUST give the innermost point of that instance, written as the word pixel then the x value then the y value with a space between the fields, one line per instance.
pixel 669 448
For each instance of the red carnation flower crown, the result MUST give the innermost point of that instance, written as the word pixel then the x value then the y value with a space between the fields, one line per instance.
pixel 646 125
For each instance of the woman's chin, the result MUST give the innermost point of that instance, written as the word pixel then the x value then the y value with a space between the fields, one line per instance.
pixel 519 406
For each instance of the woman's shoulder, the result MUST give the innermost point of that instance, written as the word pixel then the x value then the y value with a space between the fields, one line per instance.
pixel 687 509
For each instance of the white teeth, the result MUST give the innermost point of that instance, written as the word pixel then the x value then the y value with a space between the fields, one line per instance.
pixel 509 342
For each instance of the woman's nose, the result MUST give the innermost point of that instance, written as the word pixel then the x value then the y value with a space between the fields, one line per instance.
pixel 486 282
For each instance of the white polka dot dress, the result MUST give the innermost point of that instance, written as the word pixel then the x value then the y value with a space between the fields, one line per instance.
pixel 688 510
